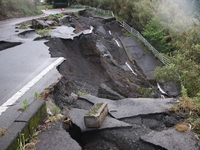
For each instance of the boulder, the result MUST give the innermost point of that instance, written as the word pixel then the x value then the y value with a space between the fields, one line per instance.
pixel 39 24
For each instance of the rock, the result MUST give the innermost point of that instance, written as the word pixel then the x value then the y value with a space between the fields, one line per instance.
pixel 65 19
pixel 172 140
pixel 39 24
pixel 171 89
pixel 106 92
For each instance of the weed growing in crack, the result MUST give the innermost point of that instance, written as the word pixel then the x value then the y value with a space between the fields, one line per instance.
pixel 29 143
pixel 25 104
pixel 80 93
pixel 36 95
pixel 56 110
pixel 56 117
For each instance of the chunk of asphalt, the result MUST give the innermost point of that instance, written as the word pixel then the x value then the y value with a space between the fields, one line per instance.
pixel 56 138
pixel 172 140
pixel 77 116
pixel 131 107
pixel 6 44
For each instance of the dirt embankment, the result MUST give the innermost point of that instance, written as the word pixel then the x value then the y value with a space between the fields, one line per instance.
pixel 94 59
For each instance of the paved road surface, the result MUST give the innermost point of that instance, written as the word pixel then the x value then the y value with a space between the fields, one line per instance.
pixel 23 64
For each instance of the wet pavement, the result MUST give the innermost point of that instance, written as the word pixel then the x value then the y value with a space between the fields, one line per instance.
pixel 26 68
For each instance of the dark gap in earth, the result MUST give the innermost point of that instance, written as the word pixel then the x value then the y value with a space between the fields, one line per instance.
pixel 4 44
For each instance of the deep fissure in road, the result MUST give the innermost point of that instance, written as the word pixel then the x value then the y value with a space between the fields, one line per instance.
pixel 122 138
pixel 96 64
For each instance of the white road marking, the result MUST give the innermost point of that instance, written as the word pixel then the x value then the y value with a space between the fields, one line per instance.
pixel 131 69
pixel 22 91
pixel 117 43
pixel 110 32
pixel 160 89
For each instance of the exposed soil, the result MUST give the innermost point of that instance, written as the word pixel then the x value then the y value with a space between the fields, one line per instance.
pixel 86 67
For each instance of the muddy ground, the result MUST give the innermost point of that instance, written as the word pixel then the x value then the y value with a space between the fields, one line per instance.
pixel 89 64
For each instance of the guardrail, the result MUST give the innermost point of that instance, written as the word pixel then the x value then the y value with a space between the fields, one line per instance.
pixel 162 58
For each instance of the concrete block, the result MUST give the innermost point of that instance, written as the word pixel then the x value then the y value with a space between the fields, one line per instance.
pixel 96 115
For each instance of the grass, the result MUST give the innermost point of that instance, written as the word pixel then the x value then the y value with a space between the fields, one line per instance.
pixel 25 104
pixel 128 33
pixel 145 92
pixel 56 110
pixel 29 143
pixel 80 93
pixel 191 107
pixel 25 25
pixel 43 32
pixel 36 95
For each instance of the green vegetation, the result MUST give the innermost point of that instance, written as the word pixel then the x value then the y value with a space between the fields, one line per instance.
pixel 17 8
pixel 145 92
pixel 21 142
pixel 36 95
pixel 43 32
pixel 80 93
pixel 25 104
pixel 55 117
pixel 42 7
pixel 56 110
pixel 27 143
pixel 191 107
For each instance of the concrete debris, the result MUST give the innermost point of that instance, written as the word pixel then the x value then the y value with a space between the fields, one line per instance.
pixel 77 116
pixel 131 107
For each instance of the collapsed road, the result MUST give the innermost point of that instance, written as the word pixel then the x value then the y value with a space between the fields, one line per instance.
pixel 104 65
